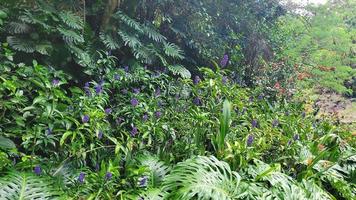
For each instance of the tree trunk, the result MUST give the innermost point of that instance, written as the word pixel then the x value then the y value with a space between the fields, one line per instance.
pixel 110 8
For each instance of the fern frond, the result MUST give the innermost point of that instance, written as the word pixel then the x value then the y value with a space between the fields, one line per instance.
pixel 202 178
pixel 70 36
pixel 18 28
pixel 173 50
pixel 180 70
pixel 20 44
pixel 72 20
pixel 109 41
pixel 26 186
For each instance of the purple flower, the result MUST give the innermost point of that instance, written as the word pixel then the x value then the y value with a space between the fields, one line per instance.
pixel 100 135
pixel 97 167
pixel 254 123
pixel 303 114
pixel 136 90
pixel 260 97
pixel 55 82
pixel 296 137
pixel 134 131
pixel 98 88
pixel 287 113
pixel 108 176
pixel 124 91
pixel 250 140
pixel 145 117
pixel 157 91
pixel 289 142
pixel 224 79
pixel 37 170
pixel 116 77
pixel 85 119
pixel 134 102
pixel 87 89
pixel 108 111
pixel 224 61
pixel 197 101
pixel 158 114
pixel 142 181
pixel 275 123
pixel 126 68
pixel 196 80
pixel 49 131
pixel 81 177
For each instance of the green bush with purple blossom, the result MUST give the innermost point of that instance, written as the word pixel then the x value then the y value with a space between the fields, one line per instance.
pixel 134 133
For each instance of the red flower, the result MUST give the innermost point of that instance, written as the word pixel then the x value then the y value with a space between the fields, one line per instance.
pixel 277 85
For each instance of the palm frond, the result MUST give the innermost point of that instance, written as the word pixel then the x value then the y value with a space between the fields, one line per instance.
pixel 173 51
pixel 152 194
pixel 18 28
pixel 20 44
pixel 70 36
pixel 26 186
pixel 202 178
pixel 158 170
pixel 110 41
pixel 72 20
pixel 129 21
pixel 180 70
pixel 153 34
pixel 44 48
pixel 130 41
pixel 29 18
pixel 146 54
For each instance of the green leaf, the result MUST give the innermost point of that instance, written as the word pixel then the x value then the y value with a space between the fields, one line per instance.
pixel 202 178
pixel 64 137
pixel 27 186
pixel 6 143
pixel 71 20
pixel 225 120
pixel 180 70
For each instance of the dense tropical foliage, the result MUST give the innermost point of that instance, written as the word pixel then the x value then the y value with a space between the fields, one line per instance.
pixel 107 100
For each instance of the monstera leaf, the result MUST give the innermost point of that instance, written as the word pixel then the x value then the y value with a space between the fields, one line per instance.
pixel 202 178
pixel 27 186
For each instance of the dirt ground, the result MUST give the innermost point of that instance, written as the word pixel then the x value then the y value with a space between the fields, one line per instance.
pixel 334 104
